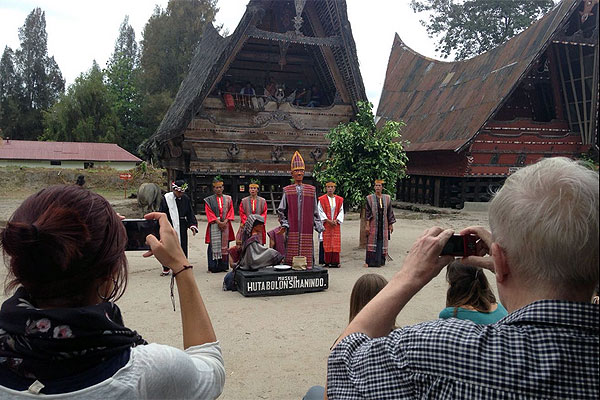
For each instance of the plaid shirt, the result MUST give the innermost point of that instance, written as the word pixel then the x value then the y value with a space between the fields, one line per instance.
pixel 548 349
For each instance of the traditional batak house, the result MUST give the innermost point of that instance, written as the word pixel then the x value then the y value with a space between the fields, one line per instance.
pixel 286 76
pixel 472 123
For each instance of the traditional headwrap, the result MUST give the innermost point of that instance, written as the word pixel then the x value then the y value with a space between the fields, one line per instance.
pixel 379 181
pixel 217 180
pixel 253 219
pixel 330 183
pixel 180 186
pixel 254 183
pixel 297 162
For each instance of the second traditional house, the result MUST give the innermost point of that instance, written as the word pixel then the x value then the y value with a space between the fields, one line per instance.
pixel 472 123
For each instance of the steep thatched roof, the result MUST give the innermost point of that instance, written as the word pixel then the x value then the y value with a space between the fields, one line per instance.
pixel 445 104
pixel 214 52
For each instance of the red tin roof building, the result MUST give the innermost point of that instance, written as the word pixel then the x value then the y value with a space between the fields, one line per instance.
pixel 65 154
pixel 471 123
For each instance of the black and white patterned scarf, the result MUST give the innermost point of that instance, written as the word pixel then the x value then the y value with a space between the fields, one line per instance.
pixel 47 344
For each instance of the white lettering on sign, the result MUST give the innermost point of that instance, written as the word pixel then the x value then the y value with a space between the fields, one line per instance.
pixel 285 282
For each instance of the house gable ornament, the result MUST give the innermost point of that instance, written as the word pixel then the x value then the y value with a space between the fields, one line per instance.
pixel 264 118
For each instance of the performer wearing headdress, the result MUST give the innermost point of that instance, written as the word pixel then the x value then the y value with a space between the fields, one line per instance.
pixel 219 232
pixel 380 219
pixel 331 211
pixel 299 214
pixel 178 207
pixel 253 204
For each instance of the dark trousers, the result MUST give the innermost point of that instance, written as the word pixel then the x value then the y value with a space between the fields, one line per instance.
pixel 221 265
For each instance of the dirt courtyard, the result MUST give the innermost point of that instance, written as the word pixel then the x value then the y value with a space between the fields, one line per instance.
pixel 274 347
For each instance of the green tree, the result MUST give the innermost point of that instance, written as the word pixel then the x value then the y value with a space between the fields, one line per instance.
pixel 41 78
pixel 470 27
pixel 169 40
pixel 122 81
pixel 11 95
pixel 84 113
pixel 359 153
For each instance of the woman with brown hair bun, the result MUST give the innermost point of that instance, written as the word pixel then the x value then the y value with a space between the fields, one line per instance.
pixel 470 296
pixel 61 332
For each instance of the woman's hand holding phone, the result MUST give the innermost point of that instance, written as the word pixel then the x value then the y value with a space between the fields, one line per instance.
pixel 167 250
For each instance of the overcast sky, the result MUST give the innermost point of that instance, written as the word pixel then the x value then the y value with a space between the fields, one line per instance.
pixel 80 31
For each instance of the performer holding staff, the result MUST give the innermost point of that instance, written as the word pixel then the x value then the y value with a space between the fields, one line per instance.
pixel 331 211
pixel 380 219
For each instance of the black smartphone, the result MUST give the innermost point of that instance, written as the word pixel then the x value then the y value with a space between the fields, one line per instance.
pixel 137 230
pixel 460 246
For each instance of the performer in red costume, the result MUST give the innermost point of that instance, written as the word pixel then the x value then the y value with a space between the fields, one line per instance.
pixel 219 232
pixel 253 204
pixel 331 211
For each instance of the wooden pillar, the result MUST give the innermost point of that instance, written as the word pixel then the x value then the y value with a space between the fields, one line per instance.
pixel 462 183
pixel 436 192
pixel 234 191
pixel 554 79
pixel 476 189
pixel 192 192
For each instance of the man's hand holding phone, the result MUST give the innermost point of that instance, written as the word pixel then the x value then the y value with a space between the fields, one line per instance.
pixel 482 255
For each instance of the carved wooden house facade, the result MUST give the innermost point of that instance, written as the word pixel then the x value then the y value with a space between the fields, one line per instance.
pixel 471 123
pixel 286 76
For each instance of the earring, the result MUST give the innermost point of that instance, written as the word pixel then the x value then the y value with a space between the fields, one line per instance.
pixel 112 294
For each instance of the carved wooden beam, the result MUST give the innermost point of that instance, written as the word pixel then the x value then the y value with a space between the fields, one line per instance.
pixel 293 37
pixel 578 38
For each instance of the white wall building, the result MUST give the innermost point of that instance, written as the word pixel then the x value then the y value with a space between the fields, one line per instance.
pixel 32 154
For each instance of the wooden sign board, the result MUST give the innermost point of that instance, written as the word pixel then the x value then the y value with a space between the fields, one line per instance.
pixel 125 177
pixel 270 282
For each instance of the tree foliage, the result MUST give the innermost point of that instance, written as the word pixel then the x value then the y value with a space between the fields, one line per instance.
pixel 169 40
pixel 359 153
pixel 11 95
pixel 31 80
pixel 471 27
pixel 84 113
pixel 123 85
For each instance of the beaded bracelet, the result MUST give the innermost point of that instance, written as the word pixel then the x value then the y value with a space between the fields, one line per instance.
pixel 173 275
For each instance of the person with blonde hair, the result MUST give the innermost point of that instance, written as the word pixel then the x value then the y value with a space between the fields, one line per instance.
pixel 364 289
pixel 543 250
